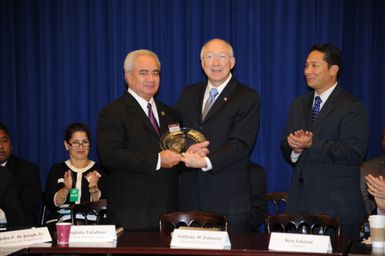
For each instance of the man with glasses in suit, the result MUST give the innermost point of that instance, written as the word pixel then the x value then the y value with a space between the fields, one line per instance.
pixel 226 111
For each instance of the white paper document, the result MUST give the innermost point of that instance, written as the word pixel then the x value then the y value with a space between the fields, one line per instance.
pixel 92 233
pixel 23 237
pixel 200 239
pixel 290 242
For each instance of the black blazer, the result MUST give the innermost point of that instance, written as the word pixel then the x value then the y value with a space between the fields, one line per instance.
pixel 128 147
pixel 8 199
pixel 57 172
pixel 231 126
pixel 331 167
pixel 26 179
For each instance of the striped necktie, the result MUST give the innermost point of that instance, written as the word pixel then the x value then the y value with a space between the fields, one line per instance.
pixel 152 118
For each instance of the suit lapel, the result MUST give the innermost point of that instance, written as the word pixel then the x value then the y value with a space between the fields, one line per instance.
pixel 327 108
pixel 307 108
pixel 11 164
pixel 200 95
pixel 137 112
pixel 164 118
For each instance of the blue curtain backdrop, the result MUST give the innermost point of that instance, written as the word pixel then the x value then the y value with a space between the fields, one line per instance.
pixel 61 61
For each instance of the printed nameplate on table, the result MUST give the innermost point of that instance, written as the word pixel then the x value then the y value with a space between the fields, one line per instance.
pixel 200 238
pixel 289 242
pixel 24 237
pixel 110 244
pixel 92 233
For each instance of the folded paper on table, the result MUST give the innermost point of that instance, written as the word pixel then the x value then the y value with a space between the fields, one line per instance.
pixel 290 242
pixel 111 244
pixel 92 233
pixel 24 237
pixel 200 239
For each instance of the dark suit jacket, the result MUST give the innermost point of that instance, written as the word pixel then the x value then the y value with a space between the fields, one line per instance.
pixel 376 167
pixel 8 199
pixel 26 179
pixel 331 167
pixel 231 126
pixel 258 183
pixel 128 147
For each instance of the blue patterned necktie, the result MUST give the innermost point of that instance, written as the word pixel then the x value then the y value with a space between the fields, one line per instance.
pixel 210 101
pixel 316 108
pixel 152 118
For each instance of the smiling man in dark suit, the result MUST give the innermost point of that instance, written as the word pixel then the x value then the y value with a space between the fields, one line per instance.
pixel 325 139
pixel 25 179
pixel 9 204
pixel 227 113
pixel 143 183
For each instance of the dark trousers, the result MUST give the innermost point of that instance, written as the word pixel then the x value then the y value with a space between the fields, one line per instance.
pixel 351 231
pixel 239 223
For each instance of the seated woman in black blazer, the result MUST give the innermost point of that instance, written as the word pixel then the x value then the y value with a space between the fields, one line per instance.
pixel 79 176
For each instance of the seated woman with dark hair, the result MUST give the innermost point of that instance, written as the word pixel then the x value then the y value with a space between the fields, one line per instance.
pixel 78 179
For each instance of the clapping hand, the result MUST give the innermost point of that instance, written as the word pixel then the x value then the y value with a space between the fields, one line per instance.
pixel 93 179
pixel 300 140
pixel 376 187
pixel 68 180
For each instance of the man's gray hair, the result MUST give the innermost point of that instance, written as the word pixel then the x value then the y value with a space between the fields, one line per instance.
pixel 129 62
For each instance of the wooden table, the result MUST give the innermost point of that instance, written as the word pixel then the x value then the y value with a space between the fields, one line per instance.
pixel 153 243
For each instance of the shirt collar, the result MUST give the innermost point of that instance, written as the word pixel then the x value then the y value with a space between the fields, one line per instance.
pixel 325 95
pixel 79 170
pixel 142 102
pixel 219 88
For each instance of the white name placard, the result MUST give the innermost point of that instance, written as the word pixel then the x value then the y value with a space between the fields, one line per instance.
pixel 24 237
pixel 92 233
pixel 290 242
pixel 200 239
pixel 111 244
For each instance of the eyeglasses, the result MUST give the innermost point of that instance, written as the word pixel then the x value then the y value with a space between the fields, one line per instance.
pixel 220 57
pixel 77 143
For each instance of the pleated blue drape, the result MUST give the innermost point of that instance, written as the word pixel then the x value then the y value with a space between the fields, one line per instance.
pixel 62 60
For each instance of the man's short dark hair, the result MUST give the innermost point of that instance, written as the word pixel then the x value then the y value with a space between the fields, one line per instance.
pixel 4 128
pixel 333 55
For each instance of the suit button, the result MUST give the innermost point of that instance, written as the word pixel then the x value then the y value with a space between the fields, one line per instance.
pixel 301 179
